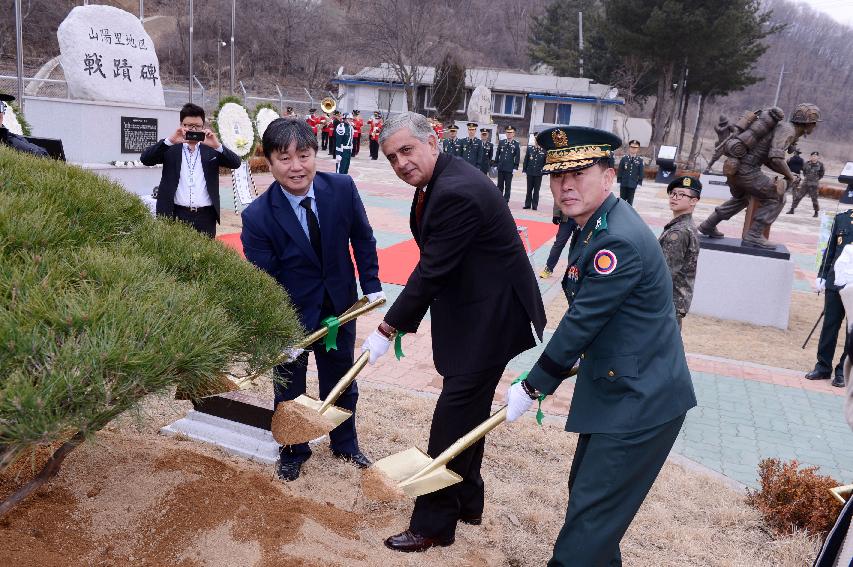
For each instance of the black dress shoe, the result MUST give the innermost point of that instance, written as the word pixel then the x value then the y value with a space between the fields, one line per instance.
pixel 409 541
pixel 838 380
pixel 472 519
pixel 358 459
pixel 817 375
pixel 288 471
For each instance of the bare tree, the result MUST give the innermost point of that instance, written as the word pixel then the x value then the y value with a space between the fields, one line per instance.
pixel 402 34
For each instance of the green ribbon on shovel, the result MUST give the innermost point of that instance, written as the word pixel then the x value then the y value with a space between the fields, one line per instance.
pixel 332 324
pixel 539 414
pixel 398 346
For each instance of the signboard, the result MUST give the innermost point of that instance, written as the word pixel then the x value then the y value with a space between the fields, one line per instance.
pixel 847 173
pixel 137 134
pixel 667 152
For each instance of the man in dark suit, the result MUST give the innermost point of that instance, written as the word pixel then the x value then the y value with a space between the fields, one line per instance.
pixel 476 279
pixel 633 387
pixel 300 232
pixel 189 186
pixel 12 140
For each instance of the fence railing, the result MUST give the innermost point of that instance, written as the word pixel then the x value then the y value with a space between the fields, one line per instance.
pixel 174 97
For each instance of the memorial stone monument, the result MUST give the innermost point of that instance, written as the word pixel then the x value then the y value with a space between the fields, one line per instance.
pixel 115 106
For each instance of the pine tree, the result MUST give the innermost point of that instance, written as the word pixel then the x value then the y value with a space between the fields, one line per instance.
pixel 448 88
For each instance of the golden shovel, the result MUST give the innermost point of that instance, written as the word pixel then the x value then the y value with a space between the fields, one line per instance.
pixel 305 418
pixel 417 474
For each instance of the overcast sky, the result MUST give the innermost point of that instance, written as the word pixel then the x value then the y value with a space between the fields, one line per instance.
pixel 841 10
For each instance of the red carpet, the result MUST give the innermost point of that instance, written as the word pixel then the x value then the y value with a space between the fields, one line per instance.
pixel 232 241
pixel 397 262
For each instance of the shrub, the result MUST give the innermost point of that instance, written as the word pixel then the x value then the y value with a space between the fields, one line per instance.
pixel 101 305
pixel 791 498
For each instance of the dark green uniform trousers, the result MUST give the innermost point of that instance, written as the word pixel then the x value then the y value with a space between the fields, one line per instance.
pixel 833 319
pixel 610 477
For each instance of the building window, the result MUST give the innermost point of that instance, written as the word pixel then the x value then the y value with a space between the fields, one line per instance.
pixel 430 105
pixel 385 99
pixel 557 113
pixel 507 104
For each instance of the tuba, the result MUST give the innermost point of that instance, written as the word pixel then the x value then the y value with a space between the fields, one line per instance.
pixel 328 105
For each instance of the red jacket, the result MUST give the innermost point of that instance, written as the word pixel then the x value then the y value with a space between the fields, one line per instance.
pixel 313 120
pixel 375 125
pixel 357 125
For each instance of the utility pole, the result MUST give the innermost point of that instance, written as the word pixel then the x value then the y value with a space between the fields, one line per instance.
pixel 19 52
pixel 219 45
pixel 191 53
pixel 233 22
pixel 141 10
pixel 580 42
pixel 779 85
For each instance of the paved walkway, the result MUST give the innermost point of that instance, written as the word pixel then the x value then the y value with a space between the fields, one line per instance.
pixel 746 411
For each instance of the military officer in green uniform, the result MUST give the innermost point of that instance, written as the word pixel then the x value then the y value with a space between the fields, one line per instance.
pixel 633 388
pixel 833 308
pixel 488 150
pixel 629 174
pixel 471 148
pixel 507 158
pixel 680 241
pixel 451 145
pixel 534 159
pixel 343 144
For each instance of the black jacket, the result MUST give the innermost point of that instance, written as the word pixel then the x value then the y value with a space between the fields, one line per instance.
pixel 20 143
pixel 171 156
pixel 473 275
pixel 840 236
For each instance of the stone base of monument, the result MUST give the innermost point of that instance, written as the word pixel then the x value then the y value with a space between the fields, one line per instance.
pixel 94 134
pixel 715 186
pixel 237 422
pixel 741 283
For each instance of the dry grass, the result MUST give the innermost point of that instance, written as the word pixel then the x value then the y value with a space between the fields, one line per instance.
pixel 688 519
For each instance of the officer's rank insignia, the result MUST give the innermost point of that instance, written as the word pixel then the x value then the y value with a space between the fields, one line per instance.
pixel 687 182
pixel 572 273
pixel 560 139
pixel 604 262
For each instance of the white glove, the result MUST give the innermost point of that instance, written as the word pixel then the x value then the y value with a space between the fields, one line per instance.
pixel 376 344
pixel 517 401
pixel 819 284
pixel 292 354
pixel 371 297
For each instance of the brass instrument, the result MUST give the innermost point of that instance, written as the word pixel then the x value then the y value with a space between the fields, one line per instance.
pixel 328 105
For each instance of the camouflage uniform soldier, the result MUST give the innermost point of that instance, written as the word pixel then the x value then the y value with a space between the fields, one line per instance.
pixel 680 241
pixel 763 139
pixel 812 173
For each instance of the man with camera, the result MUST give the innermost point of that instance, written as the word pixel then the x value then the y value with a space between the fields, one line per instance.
pixel 191 158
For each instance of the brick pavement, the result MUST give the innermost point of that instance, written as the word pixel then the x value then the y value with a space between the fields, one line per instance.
pixel 746 411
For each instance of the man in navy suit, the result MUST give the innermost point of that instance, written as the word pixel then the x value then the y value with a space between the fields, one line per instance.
pixel 189 186
pixel 300 232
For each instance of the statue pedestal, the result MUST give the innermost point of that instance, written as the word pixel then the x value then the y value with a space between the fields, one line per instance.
pixel 741 283
pixel 715 186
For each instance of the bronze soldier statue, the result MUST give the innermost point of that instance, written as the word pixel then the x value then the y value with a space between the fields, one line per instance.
pixel 762 138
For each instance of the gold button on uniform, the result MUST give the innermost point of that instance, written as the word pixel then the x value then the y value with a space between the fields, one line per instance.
pixel 611 373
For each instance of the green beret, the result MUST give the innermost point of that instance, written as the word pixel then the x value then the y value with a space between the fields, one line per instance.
pixel 572 148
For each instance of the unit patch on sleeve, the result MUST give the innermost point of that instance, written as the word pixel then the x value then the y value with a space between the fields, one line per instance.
pixel 604 262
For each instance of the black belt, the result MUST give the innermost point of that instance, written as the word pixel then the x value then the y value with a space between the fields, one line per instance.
pixel 193 209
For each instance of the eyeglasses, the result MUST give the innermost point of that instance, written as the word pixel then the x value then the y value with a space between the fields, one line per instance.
pixel 193 127
pixel 677 195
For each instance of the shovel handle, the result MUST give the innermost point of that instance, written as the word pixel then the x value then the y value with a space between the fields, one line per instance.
pixel 463 443
pixel 345 381
pixel 345 318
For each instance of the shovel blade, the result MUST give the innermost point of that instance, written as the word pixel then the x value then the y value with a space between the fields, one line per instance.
pixel 401 466
pixel 333 414
pixel 436 480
